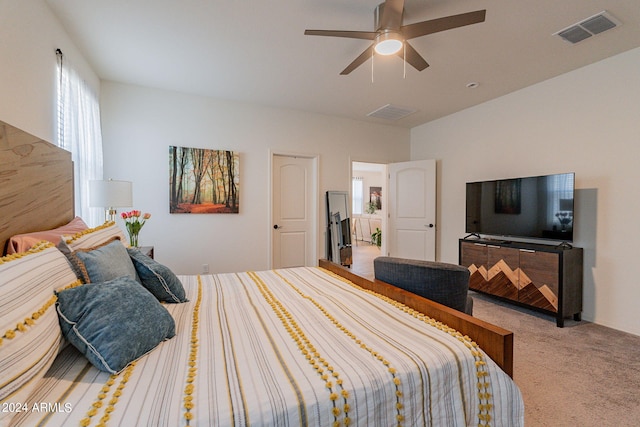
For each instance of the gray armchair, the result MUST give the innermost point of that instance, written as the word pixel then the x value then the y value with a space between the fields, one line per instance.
pixel 447 284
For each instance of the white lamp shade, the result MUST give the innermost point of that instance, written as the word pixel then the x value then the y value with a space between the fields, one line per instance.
pixel 110 194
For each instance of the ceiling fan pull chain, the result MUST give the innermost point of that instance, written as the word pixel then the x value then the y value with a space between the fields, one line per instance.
pixel 372 56
pixel 404 63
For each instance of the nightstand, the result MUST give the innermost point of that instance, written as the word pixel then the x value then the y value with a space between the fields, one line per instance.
pixel 147 250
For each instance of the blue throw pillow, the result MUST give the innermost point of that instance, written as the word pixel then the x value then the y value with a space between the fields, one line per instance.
pixel 157 278
pixel 113 323
pixel 102 263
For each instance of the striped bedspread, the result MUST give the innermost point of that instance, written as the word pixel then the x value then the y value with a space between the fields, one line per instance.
pixel 286 347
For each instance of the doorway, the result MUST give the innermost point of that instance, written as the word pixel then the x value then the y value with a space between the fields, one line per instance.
pixel 405 215
pixel 294 207
pixel 369 207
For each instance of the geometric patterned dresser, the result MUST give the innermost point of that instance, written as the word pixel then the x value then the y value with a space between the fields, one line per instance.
pixel 543 277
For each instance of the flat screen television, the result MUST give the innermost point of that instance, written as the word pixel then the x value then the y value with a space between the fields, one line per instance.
pixel 537 207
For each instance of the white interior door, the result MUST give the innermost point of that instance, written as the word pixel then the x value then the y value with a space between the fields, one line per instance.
pixel 293 211
pixel 412 210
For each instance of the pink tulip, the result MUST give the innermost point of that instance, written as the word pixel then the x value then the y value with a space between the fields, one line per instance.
pixel 147 216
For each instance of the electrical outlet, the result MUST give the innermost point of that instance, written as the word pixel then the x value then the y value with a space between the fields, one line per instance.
pixel 205 268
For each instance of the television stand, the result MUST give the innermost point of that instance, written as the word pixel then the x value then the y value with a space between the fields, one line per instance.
pixel 545 278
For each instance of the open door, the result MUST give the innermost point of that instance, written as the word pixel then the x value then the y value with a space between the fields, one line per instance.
pixel 412 210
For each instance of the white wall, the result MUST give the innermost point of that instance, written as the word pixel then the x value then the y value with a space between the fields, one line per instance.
pixel 29 37
pixel 587 122
pixel 139 124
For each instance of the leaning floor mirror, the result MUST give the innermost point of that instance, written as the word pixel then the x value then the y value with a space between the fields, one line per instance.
pixel 338 228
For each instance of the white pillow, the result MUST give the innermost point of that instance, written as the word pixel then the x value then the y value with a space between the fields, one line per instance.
pixel 92 237
pixel 30 335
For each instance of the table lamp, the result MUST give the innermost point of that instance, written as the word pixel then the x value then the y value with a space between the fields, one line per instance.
pixel 110 195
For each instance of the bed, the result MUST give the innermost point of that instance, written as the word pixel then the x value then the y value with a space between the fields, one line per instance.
pixel 315 346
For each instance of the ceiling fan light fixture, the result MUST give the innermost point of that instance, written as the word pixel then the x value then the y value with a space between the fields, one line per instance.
pixel 391 36
pixel 388 43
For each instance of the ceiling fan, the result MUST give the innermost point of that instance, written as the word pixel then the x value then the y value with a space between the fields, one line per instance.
pixel 391 36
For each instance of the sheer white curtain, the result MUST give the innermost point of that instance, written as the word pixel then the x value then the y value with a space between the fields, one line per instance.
pixel 80 133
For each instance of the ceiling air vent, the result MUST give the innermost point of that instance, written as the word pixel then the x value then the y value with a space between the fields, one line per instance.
pixel 591 26
pixel 391 112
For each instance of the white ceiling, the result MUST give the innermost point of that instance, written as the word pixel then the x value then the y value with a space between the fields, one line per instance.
pixel 255 51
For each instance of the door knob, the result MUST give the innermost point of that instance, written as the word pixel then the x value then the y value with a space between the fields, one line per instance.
pixel 275 227
pixel 430 226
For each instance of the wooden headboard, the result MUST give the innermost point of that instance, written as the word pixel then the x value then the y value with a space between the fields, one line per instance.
pixel 36 184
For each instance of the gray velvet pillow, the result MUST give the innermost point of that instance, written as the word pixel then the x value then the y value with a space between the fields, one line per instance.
pixel 103 263
pixel 113 323
pixel 157 278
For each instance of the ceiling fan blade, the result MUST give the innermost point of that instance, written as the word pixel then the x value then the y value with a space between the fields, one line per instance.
pixel 358 61
pixel 413 58
pixel 441 24
pixel 391 17
pixel 366 35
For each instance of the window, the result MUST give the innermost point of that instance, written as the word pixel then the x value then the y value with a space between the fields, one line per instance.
pixel 79 132
pixel 357 191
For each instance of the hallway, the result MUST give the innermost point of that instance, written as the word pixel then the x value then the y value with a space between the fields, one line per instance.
pixel 363 254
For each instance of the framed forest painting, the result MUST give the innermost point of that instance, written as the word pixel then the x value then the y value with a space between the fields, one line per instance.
pixel 203 181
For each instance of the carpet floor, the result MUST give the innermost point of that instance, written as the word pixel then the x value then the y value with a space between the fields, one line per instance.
pixel 580 375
